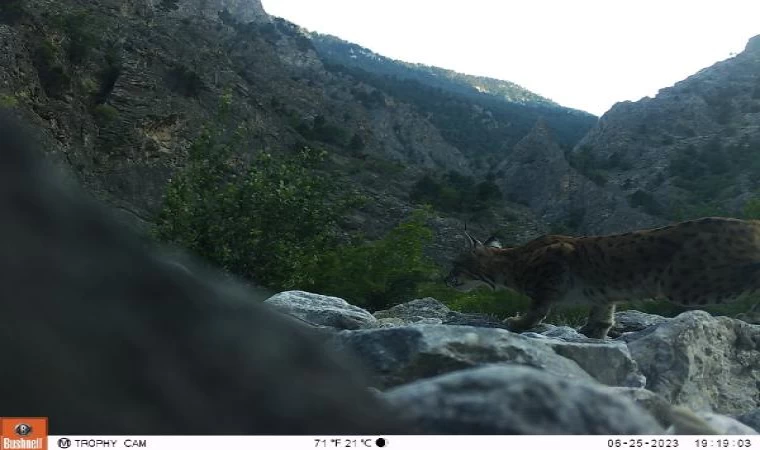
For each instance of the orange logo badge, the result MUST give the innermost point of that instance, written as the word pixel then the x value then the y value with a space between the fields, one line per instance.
pixel 23 433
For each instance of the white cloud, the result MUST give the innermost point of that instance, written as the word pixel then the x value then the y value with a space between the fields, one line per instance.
pixel 586 54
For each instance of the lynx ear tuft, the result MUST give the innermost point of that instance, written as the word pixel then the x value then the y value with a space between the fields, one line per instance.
pixel 471 241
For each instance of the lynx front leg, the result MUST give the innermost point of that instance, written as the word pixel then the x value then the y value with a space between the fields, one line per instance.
pixel 599 322
pixel 535 315
pixel 549 285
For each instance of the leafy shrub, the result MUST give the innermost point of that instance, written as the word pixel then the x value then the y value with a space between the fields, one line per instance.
pixel 499 304
pixel 323 131
pixel 588 164
pixel 646 201
pixel 380 273
pixel 105 114
pixel 8 101
pixel 53 77
pixel 357 143
pixel 455 192
pixel 268 222
pixel 80 30
pixel 751 209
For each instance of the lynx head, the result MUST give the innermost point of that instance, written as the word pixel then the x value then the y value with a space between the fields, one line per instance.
pixel 472 267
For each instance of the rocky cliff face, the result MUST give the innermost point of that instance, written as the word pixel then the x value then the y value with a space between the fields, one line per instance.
pixel 691 150
pixel 124 88
pixel 537 174
pixel 244 11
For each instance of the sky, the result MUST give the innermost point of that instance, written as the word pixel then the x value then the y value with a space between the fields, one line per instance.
pixel 583 54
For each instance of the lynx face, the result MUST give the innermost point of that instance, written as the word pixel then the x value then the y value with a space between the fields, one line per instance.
pixel 471 269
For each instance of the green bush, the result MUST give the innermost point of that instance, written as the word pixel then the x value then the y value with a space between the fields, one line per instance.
pixel 499 304
pixel 268 222
pixel 751 209
pixel 8 101
pixel 323 131
pixel 455 192
pixel 53 77
pixel 105 114
pixel 646 201
pixel 380 273
pixel 80 29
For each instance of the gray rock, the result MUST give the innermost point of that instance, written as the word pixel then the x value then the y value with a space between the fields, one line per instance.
pixel 537 173
pixel 703 362
pixel 726 425
pixel 414 310
pixel 474 320
pixel 241 10
pixel 676 420
pixel 632 320
pixel 322 310
pixel 609 363
pixel 655 404
pixel 751 419
pixel 517 400
pixel 404 354
pixel 390 322
pixel 564 333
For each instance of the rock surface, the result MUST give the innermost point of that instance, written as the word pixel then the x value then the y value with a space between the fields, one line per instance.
pixel 402 354
pixel 751 419
pixel 538 175
pixel 322 310
pixel 707 125
pixel 703 362
pixel 517 400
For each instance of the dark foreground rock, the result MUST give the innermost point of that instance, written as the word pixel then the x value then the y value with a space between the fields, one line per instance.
pixel 103 336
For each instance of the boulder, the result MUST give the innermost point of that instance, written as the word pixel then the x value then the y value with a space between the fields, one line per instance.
pixel 322 310
pixel 514 399
pixel 703 362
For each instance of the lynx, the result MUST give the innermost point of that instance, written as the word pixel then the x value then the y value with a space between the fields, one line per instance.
pixel 699 262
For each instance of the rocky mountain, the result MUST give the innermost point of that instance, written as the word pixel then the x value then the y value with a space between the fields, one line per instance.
pixel 338 51
pixel 692 150
pixel 538 175
pixel 483 117
pixel 124 87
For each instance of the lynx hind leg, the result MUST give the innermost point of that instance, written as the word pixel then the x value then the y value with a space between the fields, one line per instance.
pixel 600 320
pixel 535 315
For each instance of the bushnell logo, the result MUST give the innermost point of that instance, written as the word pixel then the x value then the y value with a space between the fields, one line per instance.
pixel 23 429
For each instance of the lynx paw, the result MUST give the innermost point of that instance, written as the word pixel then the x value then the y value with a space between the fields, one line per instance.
pixel 595 330
pixel 517 324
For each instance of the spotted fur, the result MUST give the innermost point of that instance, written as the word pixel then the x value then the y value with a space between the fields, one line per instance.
pixel 695 263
